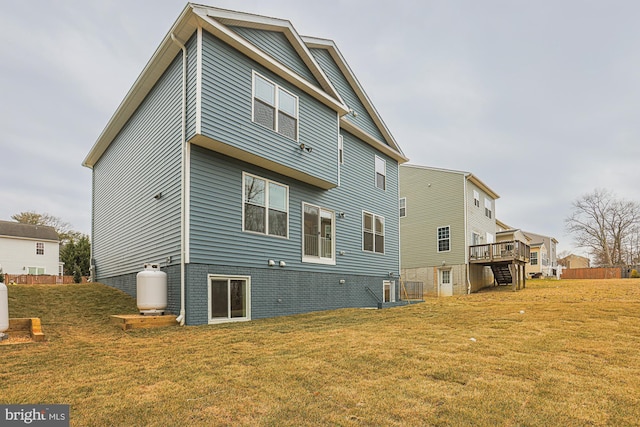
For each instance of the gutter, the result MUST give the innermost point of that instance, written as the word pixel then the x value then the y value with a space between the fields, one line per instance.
pixel 183 198
pixel 466 235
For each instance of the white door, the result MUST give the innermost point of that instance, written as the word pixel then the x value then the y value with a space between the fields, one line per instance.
pixel 445 283
pixel 389 287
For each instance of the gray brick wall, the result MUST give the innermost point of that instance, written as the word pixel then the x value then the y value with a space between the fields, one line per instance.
pixel 275 291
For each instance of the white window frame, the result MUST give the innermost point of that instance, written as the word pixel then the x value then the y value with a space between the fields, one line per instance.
pixel 266 205
pixel 533 258
pixel 320 259
pixel 37 271
pixel 476 198
pixel 448 238
pixel 403 206
pixel 380 169
pixel 374 232
pixel 227 277
pixel 341 149
pixel 275 106
pixel 488 208
pixel 39 248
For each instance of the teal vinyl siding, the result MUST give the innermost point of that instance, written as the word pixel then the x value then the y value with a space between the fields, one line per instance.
pixel 276 45
pixel 130 226
pixel 330 68
pixel 192 60
pixel 216 235
pixel 227 115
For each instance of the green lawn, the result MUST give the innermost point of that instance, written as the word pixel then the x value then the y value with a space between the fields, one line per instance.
pixel 558 353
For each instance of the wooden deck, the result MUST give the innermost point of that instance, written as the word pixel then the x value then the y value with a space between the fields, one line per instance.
pixel 512 251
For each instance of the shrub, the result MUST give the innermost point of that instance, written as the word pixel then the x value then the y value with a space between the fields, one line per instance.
pixel 1 276
pixel 635 274
pixel 77 276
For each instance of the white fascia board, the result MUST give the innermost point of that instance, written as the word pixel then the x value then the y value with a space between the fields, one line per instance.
pixel 249 50
pixel 372 141
pixel 182 29
pixel 246 20
pixel 336 55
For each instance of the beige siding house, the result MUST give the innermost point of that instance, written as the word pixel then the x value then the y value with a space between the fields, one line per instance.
pixel 546 263
pixel 442 213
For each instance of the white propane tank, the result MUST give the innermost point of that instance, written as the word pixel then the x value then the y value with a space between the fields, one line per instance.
pixel 4 308
pixel 151 289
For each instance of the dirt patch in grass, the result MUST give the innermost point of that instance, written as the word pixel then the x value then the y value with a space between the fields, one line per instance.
pixel 555 353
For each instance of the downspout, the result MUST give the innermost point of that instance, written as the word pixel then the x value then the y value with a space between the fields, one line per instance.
pixel 466 236
pixel 183 198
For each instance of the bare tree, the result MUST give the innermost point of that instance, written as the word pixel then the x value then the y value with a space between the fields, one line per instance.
pixel 605 225
pixel 62 228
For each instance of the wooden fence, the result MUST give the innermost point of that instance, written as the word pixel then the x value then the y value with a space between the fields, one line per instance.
pixel 41 279
pixel 592 273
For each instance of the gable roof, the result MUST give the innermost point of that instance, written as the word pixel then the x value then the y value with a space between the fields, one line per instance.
pixel 392 148
pixel 217 21
pixel 468 175
pixel 28 231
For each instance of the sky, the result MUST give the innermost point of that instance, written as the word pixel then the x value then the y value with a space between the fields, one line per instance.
pixel 538 99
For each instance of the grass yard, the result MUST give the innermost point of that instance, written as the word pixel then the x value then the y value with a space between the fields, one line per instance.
pixel 558 353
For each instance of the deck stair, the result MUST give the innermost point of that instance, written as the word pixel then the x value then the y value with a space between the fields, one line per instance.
pixel 502 274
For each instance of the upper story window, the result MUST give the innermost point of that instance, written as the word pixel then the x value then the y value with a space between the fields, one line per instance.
pixel 444 239
pixel 266 206
pixel 534 258
pixel 318 235
pixel 403 207
pixel 476 198
pixel 373 233
pixel 487 208
pixel 274 107
pixel 39 248
pixel 341 149
pixel 381 173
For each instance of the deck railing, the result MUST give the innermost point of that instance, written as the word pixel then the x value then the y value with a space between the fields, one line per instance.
pixel 512 250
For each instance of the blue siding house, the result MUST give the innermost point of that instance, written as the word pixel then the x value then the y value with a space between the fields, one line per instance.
pixel 250 164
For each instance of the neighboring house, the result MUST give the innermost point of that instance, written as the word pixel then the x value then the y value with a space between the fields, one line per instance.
pixel 29 249
pixel 250 163
pixel 448 231
pixel 574 261
pixel 546 262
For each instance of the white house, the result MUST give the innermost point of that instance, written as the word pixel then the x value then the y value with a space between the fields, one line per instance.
pixel 28 249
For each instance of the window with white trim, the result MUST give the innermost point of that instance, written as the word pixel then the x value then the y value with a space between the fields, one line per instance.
pixel 39 248
pixel 476 198
pixel 444 239
pixel 534 258
pixel 381 173
pixel 275 107
pixel 487 208
pixel 35 271
pixel 318 235
pixel 265 207
pixel 403 207
pixel 341 149
pixel 372 233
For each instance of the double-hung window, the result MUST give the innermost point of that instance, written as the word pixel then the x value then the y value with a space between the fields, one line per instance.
pixel 476 198
pixel 39 248
pixel 487 208
pixel 318 240
pixel 444 239
pixel 381 173
pixel 403 207
pixel 266 206
pixel 274 107
pixel 372 233
pixel 534 258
